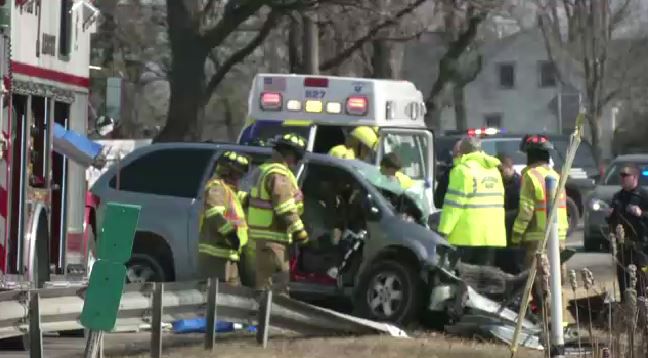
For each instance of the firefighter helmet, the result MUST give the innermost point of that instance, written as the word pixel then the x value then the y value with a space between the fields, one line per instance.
pixel 366 136
pixel 290 141
pixel 231 160
pixel 535 142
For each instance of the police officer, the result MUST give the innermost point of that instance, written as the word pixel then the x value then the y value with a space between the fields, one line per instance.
pixel 223 230
pixel 629 208
pixel 473 209
pixel 275 207
pixel 390 166
pixel 360 144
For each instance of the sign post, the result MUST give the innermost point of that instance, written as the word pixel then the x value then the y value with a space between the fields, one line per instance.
pixel 103 296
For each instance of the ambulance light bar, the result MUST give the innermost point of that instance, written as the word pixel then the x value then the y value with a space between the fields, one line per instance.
pixel 271 101
pixel 316 82
pixel 485 131
pixel 357 105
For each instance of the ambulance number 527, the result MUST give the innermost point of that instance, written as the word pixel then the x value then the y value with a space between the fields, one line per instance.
pixel 315 93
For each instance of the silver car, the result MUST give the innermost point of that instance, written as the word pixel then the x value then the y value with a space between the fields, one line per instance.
pixel 599 200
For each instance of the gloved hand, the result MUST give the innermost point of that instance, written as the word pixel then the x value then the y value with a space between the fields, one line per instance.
pixel 516 239
pixel 233 240
pixel 300 237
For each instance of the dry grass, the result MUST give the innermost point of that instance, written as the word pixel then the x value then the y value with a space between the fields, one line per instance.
pixel 369 346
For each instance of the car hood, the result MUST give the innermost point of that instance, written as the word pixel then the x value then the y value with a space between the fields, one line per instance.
pixel 604 192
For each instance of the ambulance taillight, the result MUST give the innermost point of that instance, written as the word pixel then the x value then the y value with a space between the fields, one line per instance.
pixel 357 105
pixel 271 101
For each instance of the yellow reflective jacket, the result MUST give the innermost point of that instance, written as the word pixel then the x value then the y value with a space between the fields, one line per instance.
pixel 275 204
pixel 473 207
pixel 404 181
pixel 222 214
pixel 342 151
pixel 531 220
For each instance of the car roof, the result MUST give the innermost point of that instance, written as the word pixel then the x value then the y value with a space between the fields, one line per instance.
pixel 632 157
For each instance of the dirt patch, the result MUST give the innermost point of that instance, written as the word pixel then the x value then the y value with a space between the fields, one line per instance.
pixel 368 346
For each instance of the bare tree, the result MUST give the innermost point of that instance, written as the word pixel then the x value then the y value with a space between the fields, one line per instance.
pixel 579 35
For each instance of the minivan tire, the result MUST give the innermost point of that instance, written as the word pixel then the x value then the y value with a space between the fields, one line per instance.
pixel 145 267
pixel 390 277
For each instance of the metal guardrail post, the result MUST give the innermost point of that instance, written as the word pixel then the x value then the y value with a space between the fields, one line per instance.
pixel 35 334
pixel 553 251
pixel 265 307
pixel 156 324
pixel 212 302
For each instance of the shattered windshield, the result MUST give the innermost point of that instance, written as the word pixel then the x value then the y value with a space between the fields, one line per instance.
pixel 402 200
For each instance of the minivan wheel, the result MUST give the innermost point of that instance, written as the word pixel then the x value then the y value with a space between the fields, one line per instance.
pixel 144 268
pixel 389 291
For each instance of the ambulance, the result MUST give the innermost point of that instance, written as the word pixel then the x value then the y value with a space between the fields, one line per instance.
pixel 325 109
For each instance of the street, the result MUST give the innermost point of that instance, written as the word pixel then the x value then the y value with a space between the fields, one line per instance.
pixel 58 347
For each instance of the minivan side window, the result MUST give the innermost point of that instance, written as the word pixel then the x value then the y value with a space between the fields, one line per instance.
pixel 172 172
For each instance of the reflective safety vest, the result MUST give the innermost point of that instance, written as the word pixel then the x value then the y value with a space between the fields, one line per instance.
pixel 531 221
pixel 225 218
pixel 404 181
pixel 473 207
pixel 342 151
pixel 275 222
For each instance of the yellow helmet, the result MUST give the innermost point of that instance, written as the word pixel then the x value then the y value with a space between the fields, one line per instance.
pixel 365 135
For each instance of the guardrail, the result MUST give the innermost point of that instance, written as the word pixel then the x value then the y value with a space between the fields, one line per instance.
pixel 31 312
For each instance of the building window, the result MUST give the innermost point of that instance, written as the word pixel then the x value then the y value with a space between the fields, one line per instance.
pixel 493 120
pixel 506 74
pixel 65 36
pixel 547 73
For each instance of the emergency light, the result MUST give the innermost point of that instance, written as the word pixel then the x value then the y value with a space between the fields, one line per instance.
pixel 293 105
pixel 313 106
pixel 485 131
pixel 334 107
pixel 316 82
pixel 271 101
pixel 357 105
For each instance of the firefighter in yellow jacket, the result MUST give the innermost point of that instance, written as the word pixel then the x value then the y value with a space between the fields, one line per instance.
pixel 275 207
pixel 473 207
pixel 360 144
pixel 223 229
pixel 531 221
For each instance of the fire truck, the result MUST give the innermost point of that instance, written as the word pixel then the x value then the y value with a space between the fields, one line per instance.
pixel 45 216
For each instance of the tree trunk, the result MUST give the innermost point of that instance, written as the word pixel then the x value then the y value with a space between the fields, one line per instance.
pixel 594 120
pixel 294 58
pixel 310 50
pixel 460 107
pixel 381 59
pixel 187 84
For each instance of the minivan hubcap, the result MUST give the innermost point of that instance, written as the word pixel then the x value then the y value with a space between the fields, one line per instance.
pixel 139 274
pixel 385 294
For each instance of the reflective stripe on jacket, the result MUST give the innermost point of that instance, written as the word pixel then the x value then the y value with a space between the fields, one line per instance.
pixel 275 204
pixel 532 215
pixel 222 214
pixel 404 181
pixel 473 207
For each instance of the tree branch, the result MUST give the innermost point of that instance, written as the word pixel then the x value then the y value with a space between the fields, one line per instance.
pixel 242 53
pixel 339 58
pixel 234 15
pixel 403 38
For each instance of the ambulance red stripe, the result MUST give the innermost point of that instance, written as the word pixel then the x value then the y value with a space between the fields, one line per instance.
pixel 51 75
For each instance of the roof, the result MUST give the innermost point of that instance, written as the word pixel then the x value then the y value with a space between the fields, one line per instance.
pixel 631 157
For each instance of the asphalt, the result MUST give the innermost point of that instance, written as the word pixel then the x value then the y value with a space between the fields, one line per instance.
pixel 117 344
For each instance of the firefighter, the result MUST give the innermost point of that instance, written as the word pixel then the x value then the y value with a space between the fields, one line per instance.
pixel 275 207
pixel 390 166
pixel 473 208
pixel 360 144
pixel 629 208
pixel 530 223
pixel 223 229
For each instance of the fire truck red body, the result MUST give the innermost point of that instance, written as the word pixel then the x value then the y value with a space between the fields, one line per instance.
pixel 44 59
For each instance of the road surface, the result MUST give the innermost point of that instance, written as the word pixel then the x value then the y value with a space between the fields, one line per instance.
pixel 58 347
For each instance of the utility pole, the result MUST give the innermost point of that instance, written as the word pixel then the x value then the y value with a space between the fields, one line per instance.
pixel 310 46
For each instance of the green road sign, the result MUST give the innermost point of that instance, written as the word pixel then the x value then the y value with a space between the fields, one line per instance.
pixel 103 295
pixel 118 231
pixel 115 244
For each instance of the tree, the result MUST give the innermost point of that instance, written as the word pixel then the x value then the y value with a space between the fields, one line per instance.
pixel 461 62
pixel 588 45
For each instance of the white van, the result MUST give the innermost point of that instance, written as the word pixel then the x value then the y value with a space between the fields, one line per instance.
pixel 324 109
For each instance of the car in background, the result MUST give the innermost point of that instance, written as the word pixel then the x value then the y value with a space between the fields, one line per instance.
pixel 390 276
pixel 599 200
pixel 582 176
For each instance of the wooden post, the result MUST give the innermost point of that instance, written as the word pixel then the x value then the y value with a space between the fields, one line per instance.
pixel 35 334
pixel 156 324
pixel 94 346
pixel 265 308
pixel 212 302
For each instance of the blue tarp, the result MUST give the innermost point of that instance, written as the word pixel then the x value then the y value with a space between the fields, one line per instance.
pixel 199 325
